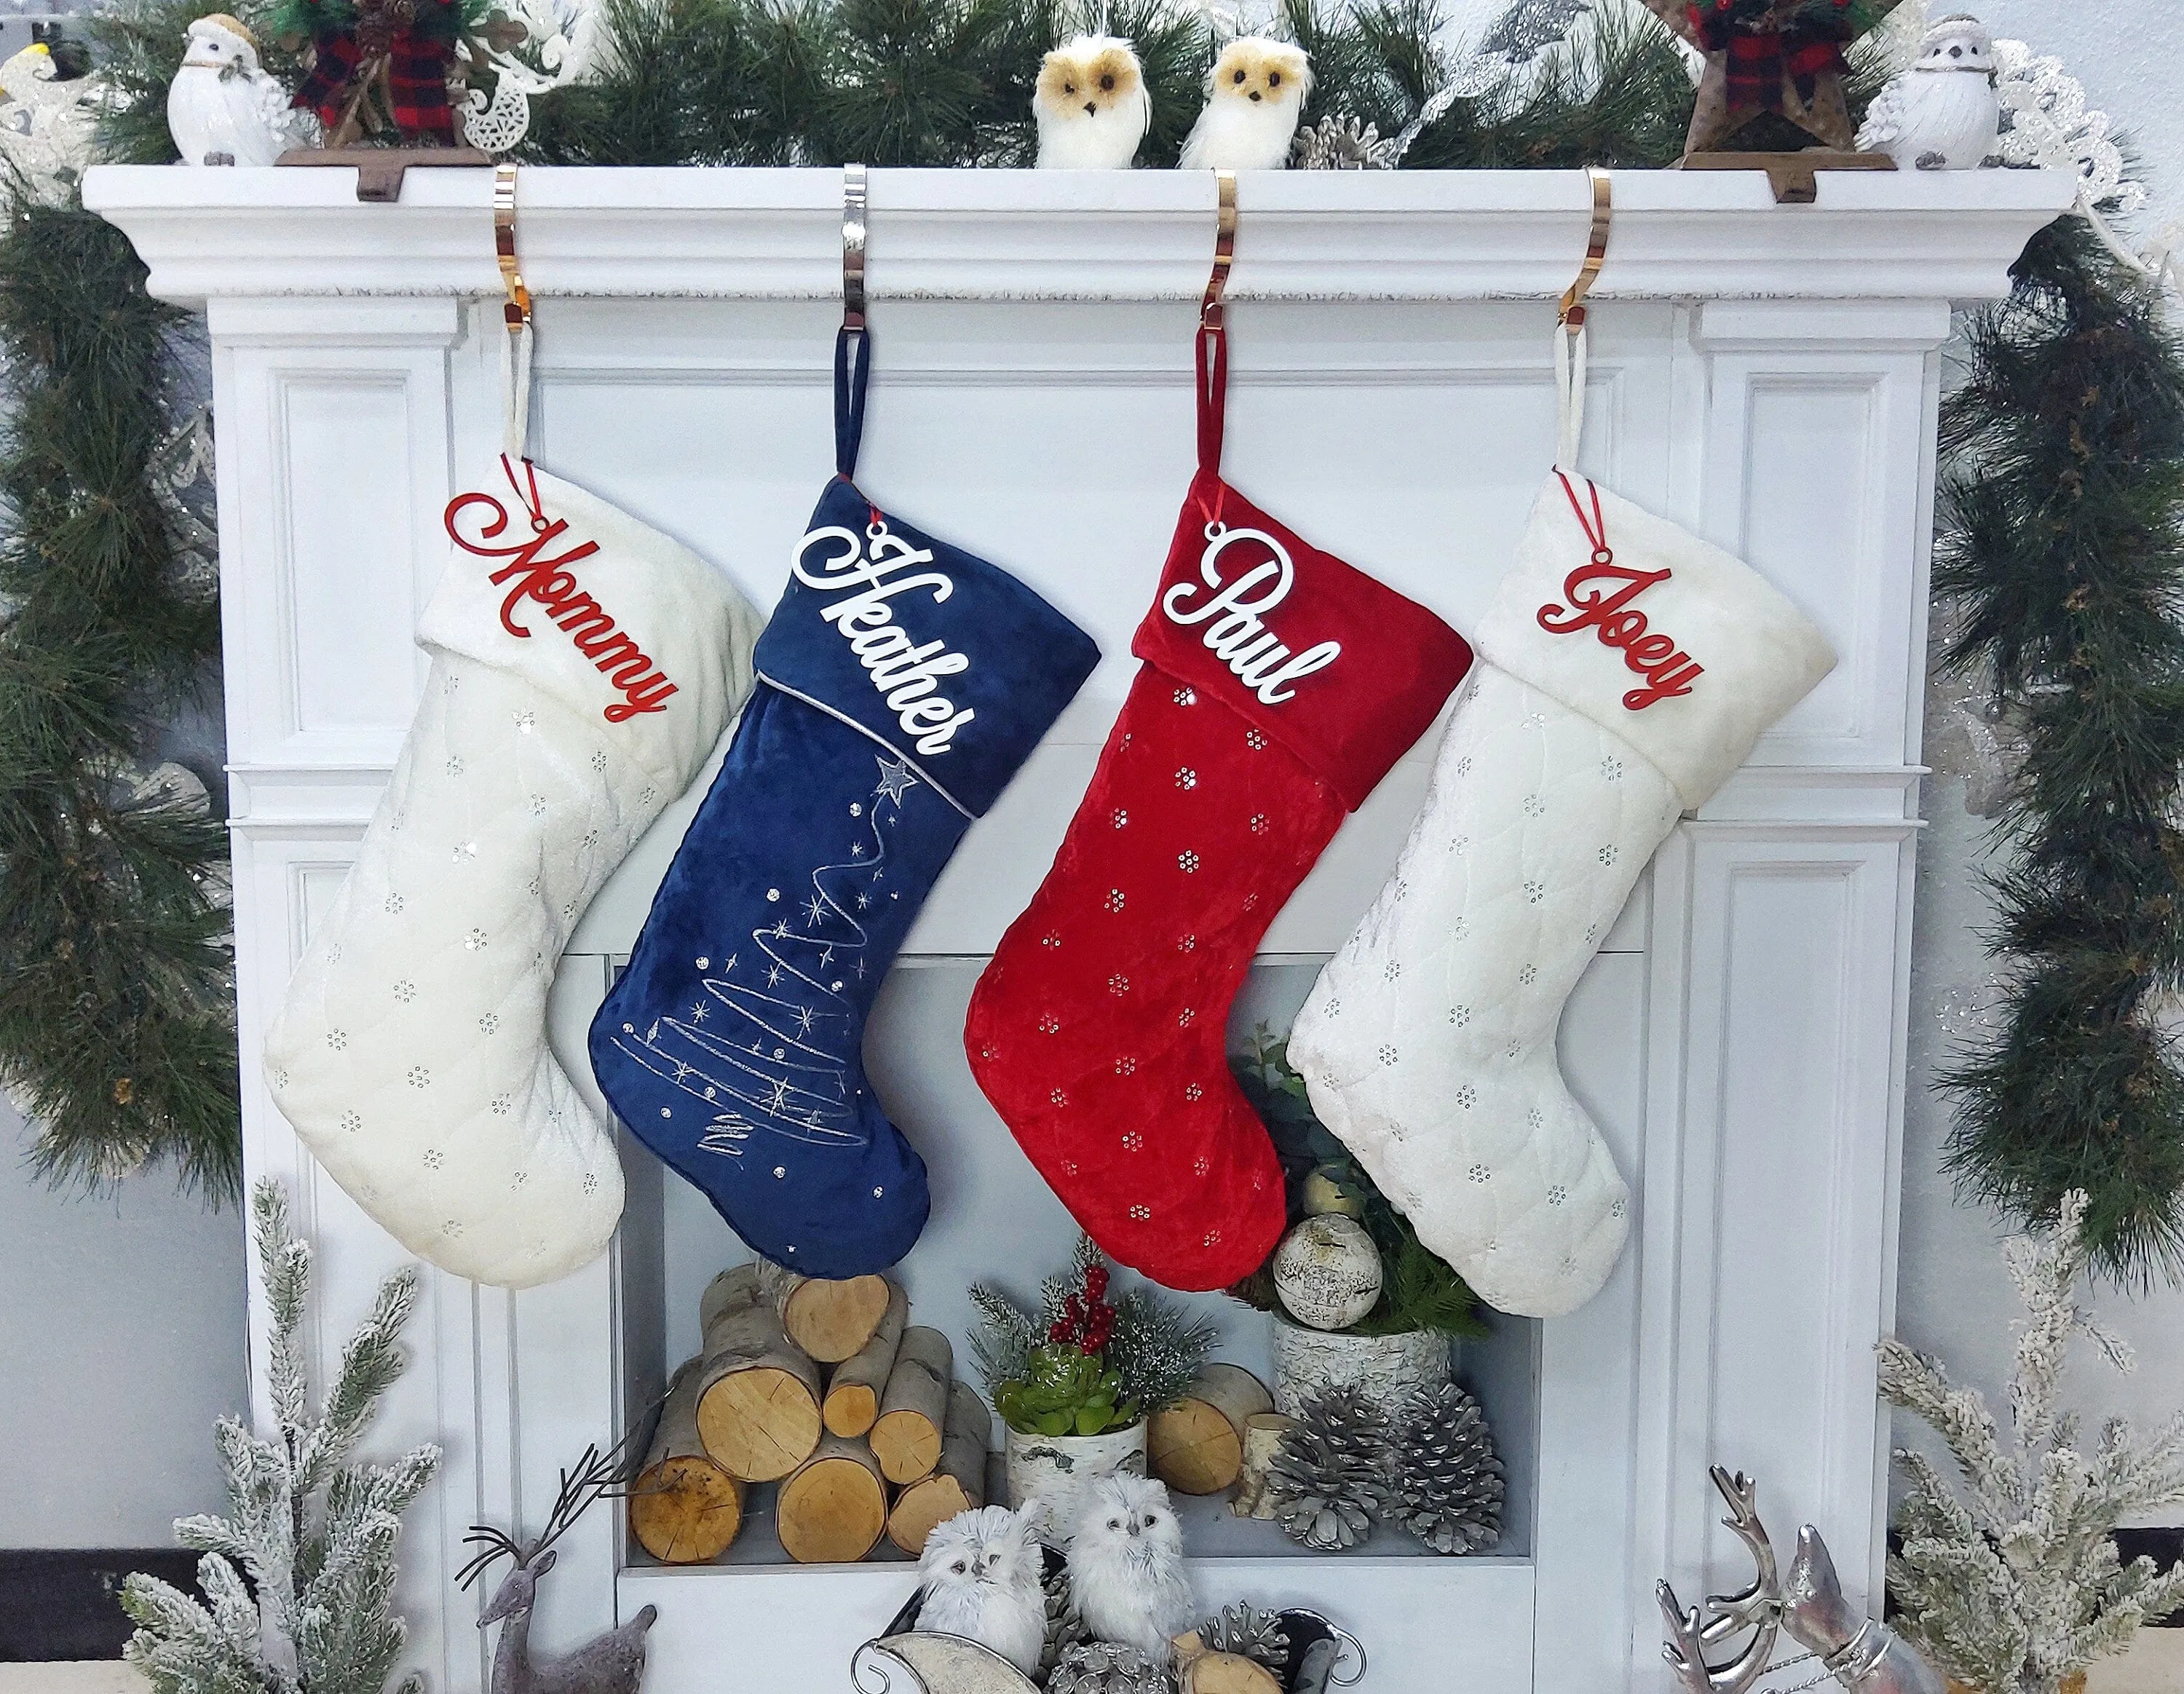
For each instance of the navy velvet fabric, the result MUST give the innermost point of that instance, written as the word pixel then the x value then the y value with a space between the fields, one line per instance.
pixel 901 684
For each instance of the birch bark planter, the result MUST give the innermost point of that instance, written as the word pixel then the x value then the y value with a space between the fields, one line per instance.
pixel 1060 1469
pixel 1388 1367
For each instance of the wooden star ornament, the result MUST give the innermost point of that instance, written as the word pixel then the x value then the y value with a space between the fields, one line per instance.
pixel 1783 59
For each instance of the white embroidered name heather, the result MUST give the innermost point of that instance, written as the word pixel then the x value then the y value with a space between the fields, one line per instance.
pixel 904 672
pixel 1238 637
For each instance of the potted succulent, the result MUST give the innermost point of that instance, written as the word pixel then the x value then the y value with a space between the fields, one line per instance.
pixel 1074 1384
pixel 1358 1300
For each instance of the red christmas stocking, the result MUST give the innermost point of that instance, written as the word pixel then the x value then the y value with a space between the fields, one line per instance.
pixel 1278 685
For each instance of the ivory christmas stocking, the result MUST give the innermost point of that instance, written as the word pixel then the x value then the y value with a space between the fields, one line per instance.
pixel 1278 685
pixel 583 667
pixel 902 682
pixel 1627 667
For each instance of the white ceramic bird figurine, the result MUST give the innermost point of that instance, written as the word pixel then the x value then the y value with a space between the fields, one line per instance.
pixel 222 109
pixel 1942 113
pixel 1126 1566
pixel 1253 101
pixel 1092 105
pixel 980 1576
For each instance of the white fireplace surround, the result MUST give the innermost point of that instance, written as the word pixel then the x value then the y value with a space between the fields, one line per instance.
pixel 1766 374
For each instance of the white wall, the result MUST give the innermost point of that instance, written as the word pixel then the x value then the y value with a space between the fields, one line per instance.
pixel 121 1340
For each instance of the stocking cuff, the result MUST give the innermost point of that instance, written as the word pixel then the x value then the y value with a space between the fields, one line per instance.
pixel 627 628
pixel 1341 670
pixel 1665 640
pixel 946 661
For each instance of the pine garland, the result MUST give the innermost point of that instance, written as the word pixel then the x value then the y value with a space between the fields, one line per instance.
pixel 117 1032
pixel 2062 563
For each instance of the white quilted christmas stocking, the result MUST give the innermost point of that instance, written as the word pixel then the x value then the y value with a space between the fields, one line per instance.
pixel 583 666
pixel 1625 672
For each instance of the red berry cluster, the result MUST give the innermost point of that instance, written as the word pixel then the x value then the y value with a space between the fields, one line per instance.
pixel 1087 1321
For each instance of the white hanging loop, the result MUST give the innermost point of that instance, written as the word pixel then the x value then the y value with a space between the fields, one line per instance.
pixel 516 315
pixel 1570 330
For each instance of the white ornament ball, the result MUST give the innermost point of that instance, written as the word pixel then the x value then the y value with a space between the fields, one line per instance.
pixel 1327 1271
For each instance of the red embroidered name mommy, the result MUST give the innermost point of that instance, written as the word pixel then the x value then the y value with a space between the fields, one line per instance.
pixel 1600 594
pixel 532 575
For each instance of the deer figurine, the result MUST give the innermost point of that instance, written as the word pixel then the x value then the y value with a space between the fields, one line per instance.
pixel 609 1664
pixel 1860 1652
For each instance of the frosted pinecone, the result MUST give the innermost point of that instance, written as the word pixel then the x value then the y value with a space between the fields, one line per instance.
pixel 1107 1668
pixel 1064 1628
pixel 1448 1483
pixel 1244 1629
pixel 1328 1478
pixel 1342 144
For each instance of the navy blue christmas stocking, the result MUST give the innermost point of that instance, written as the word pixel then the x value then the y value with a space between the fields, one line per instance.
pixel 901 684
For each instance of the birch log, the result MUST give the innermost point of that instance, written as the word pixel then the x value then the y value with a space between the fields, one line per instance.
pixel 914 1410
pixel 833 1510
pixel 684 1509
pixel 853 1392
pixel 1262 1438
pixel 831 1321
pixel 957 1485
pixel 758 1394
pixel 1196 1445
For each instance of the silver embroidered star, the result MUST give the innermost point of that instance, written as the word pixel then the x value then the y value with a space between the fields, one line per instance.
pixel 896 779
pixel 698 1012
pixel 812 908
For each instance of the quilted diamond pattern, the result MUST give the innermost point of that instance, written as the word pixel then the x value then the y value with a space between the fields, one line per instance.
pixel 1429 1044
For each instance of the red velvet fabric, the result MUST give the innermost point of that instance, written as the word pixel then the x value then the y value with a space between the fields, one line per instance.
pixel 1098 1030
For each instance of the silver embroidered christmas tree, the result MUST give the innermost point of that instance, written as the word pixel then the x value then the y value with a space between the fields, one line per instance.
pixel 1329 1478
pixel 1448 1483
pixel 2011 1582
pixel 1108 1667
pixel 314 1532
pixel 1244 1629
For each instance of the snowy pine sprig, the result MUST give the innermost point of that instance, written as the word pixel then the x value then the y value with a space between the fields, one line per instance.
pixel 2009 1579
pixel 315 1532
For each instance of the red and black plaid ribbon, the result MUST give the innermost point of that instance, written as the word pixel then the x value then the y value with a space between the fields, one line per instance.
pixel 1760 61
pixel 416 82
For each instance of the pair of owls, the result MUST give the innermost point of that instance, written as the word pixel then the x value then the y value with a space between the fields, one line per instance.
pixel 982 1573
pixel 1093 106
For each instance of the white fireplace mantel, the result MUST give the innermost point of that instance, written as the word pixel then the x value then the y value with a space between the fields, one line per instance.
pixel 1767 375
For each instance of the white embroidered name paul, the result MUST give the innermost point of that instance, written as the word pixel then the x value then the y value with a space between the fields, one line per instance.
pixel 904 672
pixel 1238 636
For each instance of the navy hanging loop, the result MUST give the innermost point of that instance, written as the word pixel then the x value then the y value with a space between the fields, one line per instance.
pixel 853 343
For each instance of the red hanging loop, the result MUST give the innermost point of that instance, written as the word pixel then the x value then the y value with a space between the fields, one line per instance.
pixel 1596 530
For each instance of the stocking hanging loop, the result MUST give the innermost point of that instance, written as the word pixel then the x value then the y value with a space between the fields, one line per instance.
pixel 1570 325
pixel 1213 331
pixel 516 315
pixel 853 342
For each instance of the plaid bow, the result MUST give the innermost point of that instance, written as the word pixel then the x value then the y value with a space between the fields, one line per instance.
pixel 1760 60
pixel 416 81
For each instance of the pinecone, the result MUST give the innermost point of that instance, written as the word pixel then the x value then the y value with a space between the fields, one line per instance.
pixel 1328 1478
pixel 1064 1628
pixel 1448 1483
pixel 1244 1629
pixel 1107 1668
pixel 1341 144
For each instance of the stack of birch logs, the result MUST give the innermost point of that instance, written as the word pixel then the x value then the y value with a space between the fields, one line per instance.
pixel 827 1389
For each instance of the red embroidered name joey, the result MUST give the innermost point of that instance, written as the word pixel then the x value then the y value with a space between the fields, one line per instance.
pixel 1600 594
pixel 552 584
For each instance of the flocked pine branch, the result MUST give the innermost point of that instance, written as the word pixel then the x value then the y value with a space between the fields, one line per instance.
pixel 315 1532
pixel 2010 1578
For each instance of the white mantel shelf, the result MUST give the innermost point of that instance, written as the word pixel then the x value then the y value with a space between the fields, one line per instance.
pixel 968 235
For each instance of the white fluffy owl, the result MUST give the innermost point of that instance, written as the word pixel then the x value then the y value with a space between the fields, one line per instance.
pixel 1942 113
pixel 1253 101
pixel 980 1575
pixel 221 102
pixel 1092 105
pixel 1126 1566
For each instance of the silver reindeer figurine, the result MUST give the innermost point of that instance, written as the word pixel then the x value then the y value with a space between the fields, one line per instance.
pixel 608 1663
pixel 1860 1652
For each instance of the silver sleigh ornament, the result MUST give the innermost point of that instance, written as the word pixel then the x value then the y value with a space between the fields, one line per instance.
pixel 1860 1653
